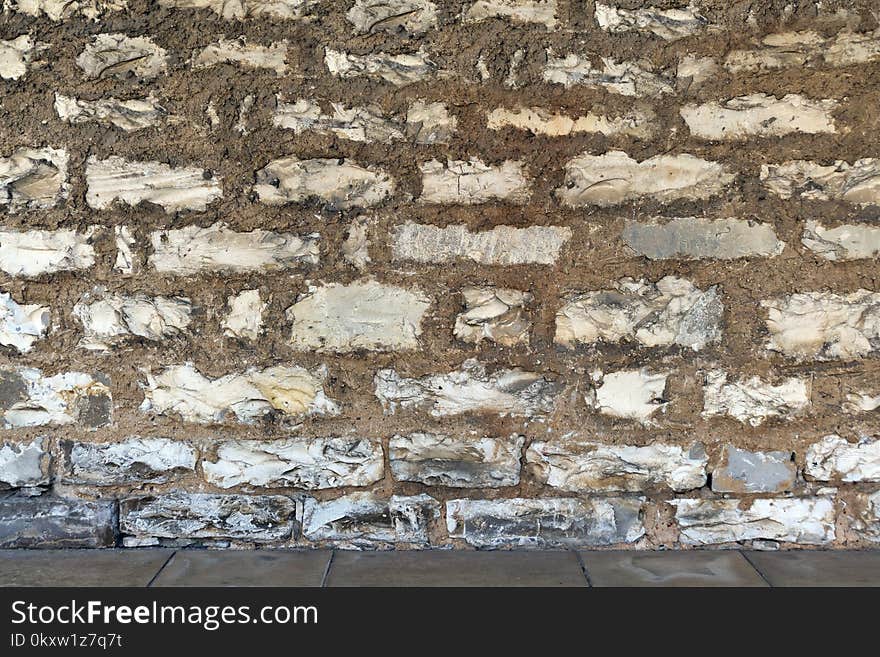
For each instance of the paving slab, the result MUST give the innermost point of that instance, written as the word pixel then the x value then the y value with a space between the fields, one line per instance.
pixel 515 568
pixel 818 568
pixel 245 568
pixel 671 569
pixel 135 567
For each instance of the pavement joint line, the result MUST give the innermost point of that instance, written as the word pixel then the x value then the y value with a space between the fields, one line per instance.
pixel 161 568
pixel 583 566
pixel 756 569
pixel 329 565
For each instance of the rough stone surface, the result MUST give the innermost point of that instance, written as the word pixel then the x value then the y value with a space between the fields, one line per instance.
pixel 695 238
pixel 24 465
pixel 113 318
pixel 629 394
pixel 28 398
pixel 249 55
pixel 33 178
pixel 668 24
pixel 857 183
pixel 53 522
pixel 456 461
pixel 128 115
pixel 835 459
pixel 398 69
pixel 540 121
pixel 37 252
pixel 618 77
pixel 868 522
pixel 118 55
pixel 754 400
pixel 805 49
pixel 21 325
pixel 581 466
pixel 16 55
pixel 844 242
pixel 240 9
pixel 493 314
pixel 473 181
pixel 742 471
pixel 245 318
pixel 412 16
pixel 306 463
pixel 523 11
pixel 135 460
pixel 545 523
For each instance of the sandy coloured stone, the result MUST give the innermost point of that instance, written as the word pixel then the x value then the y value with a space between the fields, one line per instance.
pixel 742 471
pixel 695 238
pixel 127 262
pixel 472 181
pixel 635 79
pixel 249 55
pixel 867 524
pixel 132 461
pixel 415 17
pixel 857 183
pixel 399 70
pixel 844 242
pixel 537 120
pixel 18 55
pixel 33 178
pixel 112 319
pixel 128 115
pixel 241 9
pixel 806 49
pixel 668 24
pixel 493 314
pixel 33 253
pixel 245 317
pixel 542 12
pixel 430 122
pixel 363 124
pixel 57 10
pixel 118 55
pixel 754 400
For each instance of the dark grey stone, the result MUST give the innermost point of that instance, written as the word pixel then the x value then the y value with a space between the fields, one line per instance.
pixel 53 522
pixel 80 567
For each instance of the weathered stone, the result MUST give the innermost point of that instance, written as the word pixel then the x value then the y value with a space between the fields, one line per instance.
pixel 493 314
pixel 760 115
pixel 356 248
pixel 56 10
pixel 119 55
pixel 21 324
pixel 539 121
pixel 693 72
pixel 194 250
pixel 741 471
pixel 365 124
pixel 845 242
pixel 362 315
pixel 134 460
pixel 30 399
pixel 672 311
pixel 752 401
pixel 472 181
pixel 806 49
pixel 429 123
pixel 175 189
pixel 624 78
pixel 808 521
pixel 615 177
pixel 413 16
pixel 823 325
pixel 861 402
pixel 112 319
pixel 668 24
pixel 239 51
pixel 503 245
pixel 307 463
pixel 181 390
pixel 24 465
pixel 364 518
pixel 245 318
pixel 36 252
pixel 456 461
pixel 867 524
pixel 857 183
pixel 241 9
pixel 470 389
pixel 53 522
pixel 629 394
pixel 545 523
pixel 693 238
pixel 33 178
pixel 128 115
pixel 542 12
pixel 399 70
pixel 835 459
pixel 580 466
pixel 126 263
pixel 17 56
pixel 254 518
pixel 341 184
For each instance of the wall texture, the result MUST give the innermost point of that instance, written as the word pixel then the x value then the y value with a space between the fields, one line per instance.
pixel 403 273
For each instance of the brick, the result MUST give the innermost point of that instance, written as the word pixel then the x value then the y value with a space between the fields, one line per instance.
pixel 33 178
pixel 742 471
pixel 128 115
pixel 430 122
pixel 181 390
pixel 539 121
pixel 57 10
pixel 38 252
pixel 415 17
pixel 493 314
pixel 635 79
pixel 172 188
pixel 629 394
pixel 581 466
pixel 194 250
pixel 835 459
pixel 195 516
pixel 542 12
pixel 806 49
pixel 132 461
pixel 671 312
pixel 24 465
pixel 28 398
pixel 364 124
pixel 668 24
pixel 753 401
pixel 853 183
pixel 21 325
pixel 240 9
pixel 118 55
pixel 399 70
pixel 695 238
pixel 807 521
pixel 53 522
pixel 245 318
pixel 341 184
pixel 305 463
pixel 545 523
pixel 472 181
pixel 615 177
pixel 456 461
pixel 824 325
pixel 760 115
pixel 113 319
pixel 18 55
pixel 362 315
pixel 469 389
pixel 844 242
pixel 502 245
pixel 366 519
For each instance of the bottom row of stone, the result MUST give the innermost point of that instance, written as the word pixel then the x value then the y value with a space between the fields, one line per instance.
pixel 364 519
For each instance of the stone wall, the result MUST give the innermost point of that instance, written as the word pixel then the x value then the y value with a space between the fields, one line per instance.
pixel 470 274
